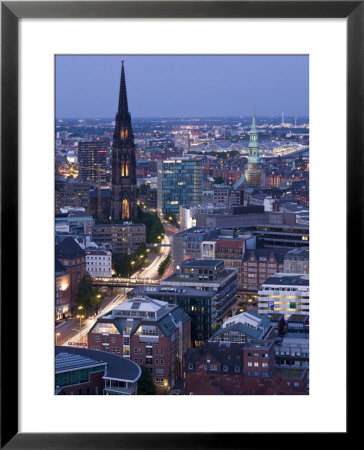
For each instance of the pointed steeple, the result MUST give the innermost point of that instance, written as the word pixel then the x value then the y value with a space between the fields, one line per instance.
pixel 253 143
pixel 254 128
pixel 123 110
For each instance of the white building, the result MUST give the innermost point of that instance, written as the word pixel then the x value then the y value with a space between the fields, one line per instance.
pixel 188 213
pixel 285 293
pixel 98 262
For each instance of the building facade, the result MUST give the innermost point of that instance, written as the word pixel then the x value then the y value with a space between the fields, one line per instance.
pixel 123 183
pixel 123 238
pixel 73 259
pixel 297 261
pixel 260 264
pixel 63 292
pixel 148 332
pixel 99 263
pixel 179 183
pixel 92 161
pixel 285 294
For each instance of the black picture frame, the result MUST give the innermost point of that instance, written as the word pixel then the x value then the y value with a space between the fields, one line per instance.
pixel 11 12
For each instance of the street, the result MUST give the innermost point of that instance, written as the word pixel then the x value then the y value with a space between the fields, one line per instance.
pixel 74 331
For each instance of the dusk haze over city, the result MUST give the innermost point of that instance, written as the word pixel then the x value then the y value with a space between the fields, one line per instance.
pixel 182 225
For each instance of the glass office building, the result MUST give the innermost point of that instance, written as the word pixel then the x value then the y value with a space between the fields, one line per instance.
pixel 179 183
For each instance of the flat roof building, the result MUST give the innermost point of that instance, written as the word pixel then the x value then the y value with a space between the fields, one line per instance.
pixel 285 293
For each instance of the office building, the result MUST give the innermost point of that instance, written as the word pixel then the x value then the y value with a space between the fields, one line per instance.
pixel 286 294
pixel 179 183
pixel 148 332
pixel 123 238
pixel 92 161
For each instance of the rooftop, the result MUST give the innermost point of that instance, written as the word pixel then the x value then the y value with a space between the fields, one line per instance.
pixel 117 367
pixel 69 249
pixel 192 262
pixel 289 373
pixel 288 279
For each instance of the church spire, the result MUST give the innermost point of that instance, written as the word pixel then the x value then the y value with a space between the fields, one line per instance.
pixel 123 111
pixel 253 128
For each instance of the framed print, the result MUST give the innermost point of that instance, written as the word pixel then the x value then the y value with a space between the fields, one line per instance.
pixel 45 47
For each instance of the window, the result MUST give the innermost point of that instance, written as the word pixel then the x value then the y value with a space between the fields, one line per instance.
pixel 256 364
pixel 157 362
pixel 250 364
pixel 159 381
pixel 162 362
pixel 140 350
pixel 156 351
pixel 161 352
pixel 97 338
pixel 135 350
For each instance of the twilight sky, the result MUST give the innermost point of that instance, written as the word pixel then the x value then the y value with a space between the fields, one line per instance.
pixel 182 86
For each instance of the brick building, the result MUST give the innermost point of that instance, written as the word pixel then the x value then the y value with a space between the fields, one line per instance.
pixel 236 369
pixel 260 264
pixel 73 259
pixel 149 332
pixel 63 292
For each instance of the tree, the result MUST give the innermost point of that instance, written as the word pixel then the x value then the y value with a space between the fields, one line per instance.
pixel 87 296
pixel 219 180
pixel 145 383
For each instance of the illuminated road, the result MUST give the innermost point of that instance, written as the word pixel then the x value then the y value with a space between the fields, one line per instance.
pixel 149 272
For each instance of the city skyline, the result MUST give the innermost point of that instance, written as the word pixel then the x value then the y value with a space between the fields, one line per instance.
pixel 183 86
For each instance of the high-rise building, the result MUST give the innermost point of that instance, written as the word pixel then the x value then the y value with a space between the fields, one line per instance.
pixel 179 183
pixel 91 158
pixel 123 185
pixel 253 174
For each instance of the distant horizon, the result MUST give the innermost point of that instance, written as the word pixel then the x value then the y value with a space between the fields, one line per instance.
pixel 245 116
pixel 183 86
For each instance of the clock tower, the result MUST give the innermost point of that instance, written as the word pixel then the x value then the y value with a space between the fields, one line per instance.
pixel 123 183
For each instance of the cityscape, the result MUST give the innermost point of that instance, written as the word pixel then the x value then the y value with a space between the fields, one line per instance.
pixel 182 242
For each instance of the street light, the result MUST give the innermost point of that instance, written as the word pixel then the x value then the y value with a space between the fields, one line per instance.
pixel 80 317
pixel 57 334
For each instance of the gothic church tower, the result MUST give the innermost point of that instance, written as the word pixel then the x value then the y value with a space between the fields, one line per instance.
pixel 123 183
